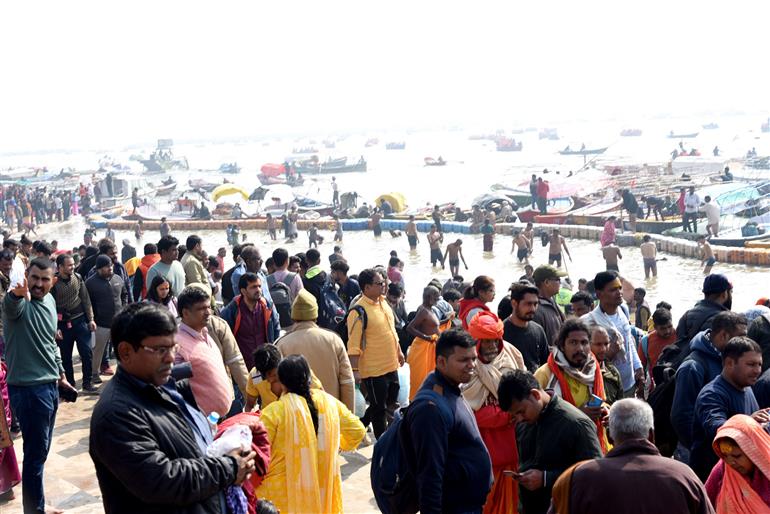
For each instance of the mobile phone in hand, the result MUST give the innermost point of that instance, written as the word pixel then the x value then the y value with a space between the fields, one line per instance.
pixel 68 394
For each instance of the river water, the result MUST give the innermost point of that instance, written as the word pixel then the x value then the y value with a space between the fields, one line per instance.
pixel 679 279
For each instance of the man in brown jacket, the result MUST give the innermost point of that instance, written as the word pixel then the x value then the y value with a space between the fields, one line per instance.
pixel 323 349
pixel 660 484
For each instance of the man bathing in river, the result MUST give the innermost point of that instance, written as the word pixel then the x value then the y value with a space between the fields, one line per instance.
pixel 555 246
pixel 455 252
pixel 524 244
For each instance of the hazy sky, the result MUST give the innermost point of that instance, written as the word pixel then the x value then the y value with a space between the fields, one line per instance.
pixel 89 74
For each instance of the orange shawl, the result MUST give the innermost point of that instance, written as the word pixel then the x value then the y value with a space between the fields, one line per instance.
pixel 566 394
pixel 736 494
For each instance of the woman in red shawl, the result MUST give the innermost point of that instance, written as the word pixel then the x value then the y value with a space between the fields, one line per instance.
pixel 476 298
pixel 496 426
pixel 740 482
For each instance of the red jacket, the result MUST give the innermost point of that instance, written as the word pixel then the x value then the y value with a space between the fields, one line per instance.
pixel 542 189
pixel 144 267
pixel 467 305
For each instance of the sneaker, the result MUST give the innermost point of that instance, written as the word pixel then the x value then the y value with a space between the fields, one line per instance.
pixel 96 379
pixel 106 370
pixel 90 389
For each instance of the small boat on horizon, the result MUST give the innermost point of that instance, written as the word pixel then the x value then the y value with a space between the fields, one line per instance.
pixel 688 135
pixel 631 132
pixel 505 144
pixel 584 151
pixel 430 161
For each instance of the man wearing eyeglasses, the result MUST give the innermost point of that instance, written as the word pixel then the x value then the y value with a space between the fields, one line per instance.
pixel 375 354
pixel 148 440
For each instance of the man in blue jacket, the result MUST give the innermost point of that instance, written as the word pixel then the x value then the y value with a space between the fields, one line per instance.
pixel 453 468
pixel 702 366
pixel 724 397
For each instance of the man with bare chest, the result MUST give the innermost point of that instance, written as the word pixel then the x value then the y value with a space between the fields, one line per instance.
pixel 421 356
pixel 555 246
pixel 454 251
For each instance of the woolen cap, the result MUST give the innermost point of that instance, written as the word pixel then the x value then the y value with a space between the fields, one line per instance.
pixel 716 283
pixel 102 261
pixel 305 307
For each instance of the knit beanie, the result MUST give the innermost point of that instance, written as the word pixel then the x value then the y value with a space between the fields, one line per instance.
pixel 102 261
pixel 305 307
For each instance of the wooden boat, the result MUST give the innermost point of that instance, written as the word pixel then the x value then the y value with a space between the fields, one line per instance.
pixel 270 180
pixel 505 144
pixel 430 161
pixel 230 167
pixel 304 149
pixel 203 184
pixel 332 166
pixel 651 226
pixel 555 206
pixel 548 133
pixel 736 237
pixel 600 209
pixel 631 132
pixel 689 135
pixel 162 159
pixel 395 146
pixel 165 188
pixel 584 151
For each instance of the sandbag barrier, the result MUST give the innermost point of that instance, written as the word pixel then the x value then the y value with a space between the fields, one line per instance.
pixel 673 245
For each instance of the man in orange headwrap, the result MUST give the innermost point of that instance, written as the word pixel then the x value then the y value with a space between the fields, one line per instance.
pixel 495 425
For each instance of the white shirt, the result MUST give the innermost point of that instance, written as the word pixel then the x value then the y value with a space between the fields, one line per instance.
pixel 691 202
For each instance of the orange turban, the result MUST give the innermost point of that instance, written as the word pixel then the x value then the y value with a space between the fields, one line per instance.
pixel 486 325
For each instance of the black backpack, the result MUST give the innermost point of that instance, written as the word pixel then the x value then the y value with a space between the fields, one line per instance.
pixel 342 326
pixel 331 308
pixel 393 470
pixel 661 399
pixel 280 291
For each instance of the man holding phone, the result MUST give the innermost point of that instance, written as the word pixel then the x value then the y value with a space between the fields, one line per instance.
pixel 551 435
pixel 574 375
pixel 35 372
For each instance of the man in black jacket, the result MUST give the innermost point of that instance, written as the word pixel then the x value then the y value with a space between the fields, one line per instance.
pixel 314 278
pixel 552 435
pixel 717 297
pixel 148 440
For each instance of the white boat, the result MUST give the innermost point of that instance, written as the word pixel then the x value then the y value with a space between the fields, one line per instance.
pixel 116 189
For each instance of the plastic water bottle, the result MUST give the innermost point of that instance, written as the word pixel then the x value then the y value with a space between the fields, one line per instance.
pixel 213 419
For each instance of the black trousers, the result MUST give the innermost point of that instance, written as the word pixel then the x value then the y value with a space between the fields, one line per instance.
pixel 382 394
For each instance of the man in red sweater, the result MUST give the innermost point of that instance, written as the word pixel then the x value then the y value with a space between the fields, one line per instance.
pixel 653 343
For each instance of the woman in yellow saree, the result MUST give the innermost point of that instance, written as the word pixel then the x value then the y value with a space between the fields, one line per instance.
pixel 306 428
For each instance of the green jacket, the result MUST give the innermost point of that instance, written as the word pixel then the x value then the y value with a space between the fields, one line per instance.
pixel 29 328
pixel 561 437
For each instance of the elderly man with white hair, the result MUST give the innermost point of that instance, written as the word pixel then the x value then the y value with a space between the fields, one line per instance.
pixel 634 477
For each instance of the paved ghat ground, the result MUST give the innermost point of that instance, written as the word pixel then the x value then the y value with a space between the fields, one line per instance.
pixel 70 478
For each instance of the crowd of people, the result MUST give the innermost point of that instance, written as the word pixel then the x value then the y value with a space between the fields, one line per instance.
pixel 236 386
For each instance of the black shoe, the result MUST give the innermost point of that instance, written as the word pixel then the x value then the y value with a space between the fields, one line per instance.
pixel 96 379
pixel 90 389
